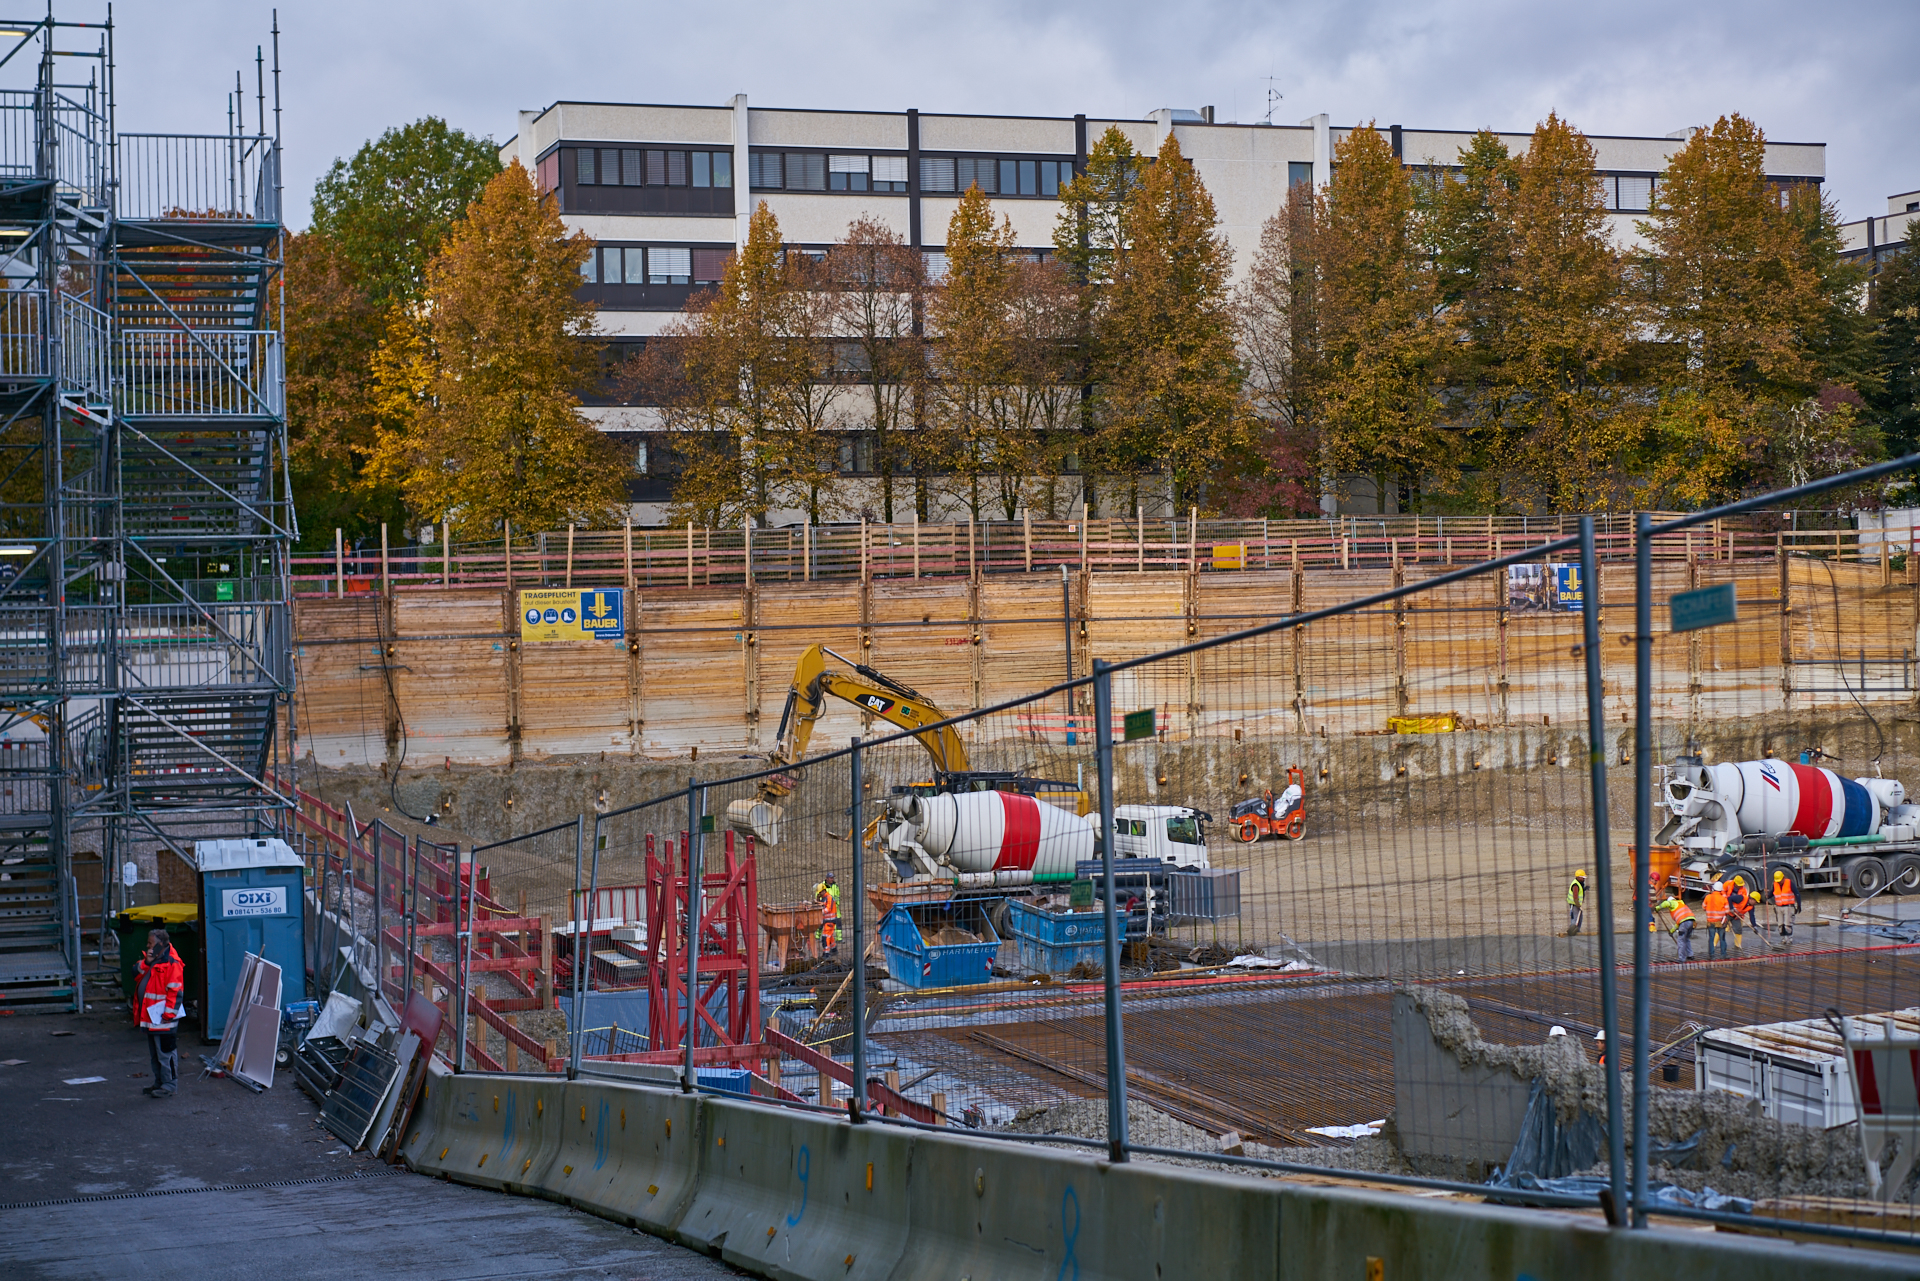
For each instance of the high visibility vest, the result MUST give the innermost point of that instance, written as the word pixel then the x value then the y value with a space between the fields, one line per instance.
pixel 1716 905
pixel 1737 898
pixel 1678 910
pixel 1576 893
pixel 156 1000
pixel 1783 893
pixel 828 896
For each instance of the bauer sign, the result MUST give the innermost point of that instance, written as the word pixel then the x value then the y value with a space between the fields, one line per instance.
pixel 572 614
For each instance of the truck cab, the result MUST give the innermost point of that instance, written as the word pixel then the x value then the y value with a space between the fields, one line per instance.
pixel 1175 834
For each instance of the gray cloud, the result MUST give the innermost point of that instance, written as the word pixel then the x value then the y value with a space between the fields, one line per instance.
pixel 1838 73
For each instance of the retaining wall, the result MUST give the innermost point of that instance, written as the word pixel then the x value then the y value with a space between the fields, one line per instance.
pixel 790 1195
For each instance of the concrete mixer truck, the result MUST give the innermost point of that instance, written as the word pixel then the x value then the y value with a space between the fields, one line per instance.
pixel 1743 820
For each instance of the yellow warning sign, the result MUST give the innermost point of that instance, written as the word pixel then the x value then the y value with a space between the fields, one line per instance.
pixel 572 614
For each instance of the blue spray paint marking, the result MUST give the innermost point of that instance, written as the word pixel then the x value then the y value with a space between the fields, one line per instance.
pixel 507 1139
pixel 600 1136
pixel 802 1167
pixel 1071 1233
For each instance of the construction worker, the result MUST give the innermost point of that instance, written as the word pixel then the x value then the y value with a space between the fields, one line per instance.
pixel 1601 1038
pixel 1576 902
pixel 1783 897
pixel 1715 906
pixel 1682 917
pixel 157 1005
pixel 827 895
pixel 1739 903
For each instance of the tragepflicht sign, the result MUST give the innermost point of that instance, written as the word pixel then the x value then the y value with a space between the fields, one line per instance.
pixel 572 614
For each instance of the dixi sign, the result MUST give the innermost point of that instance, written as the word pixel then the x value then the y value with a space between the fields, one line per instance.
pixel 572 614
pixel 266 900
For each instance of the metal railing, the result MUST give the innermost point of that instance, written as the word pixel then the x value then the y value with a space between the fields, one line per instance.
pixel 200 373
pixel 218 177
pixel 23 345
pixel 79 161
pixel 85 353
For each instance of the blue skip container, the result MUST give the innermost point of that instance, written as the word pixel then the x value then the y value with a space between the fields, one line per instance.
pixel 1055 942
pixel 928 944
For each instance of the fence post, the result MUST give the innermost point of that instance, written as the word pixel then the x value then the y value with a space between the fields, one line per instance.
pixel 379 937
pixel 446 553
pixel 593 893
pixel 1642 835
pixel 695 853
pixel 573 980
pixel 462 927
pixel 1602 860
pixel 386 576
pixel 1116 1050
pixel 857 1104
pixel 339 564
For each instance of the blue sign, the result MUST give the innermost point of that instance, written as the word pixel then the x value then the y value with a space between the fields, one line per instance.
pixel 1567 591
pixel 603 613
pixel 1704 607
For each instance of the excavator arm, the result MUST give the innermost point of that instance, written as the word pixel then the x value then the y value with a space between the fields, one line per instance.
pixel 876 695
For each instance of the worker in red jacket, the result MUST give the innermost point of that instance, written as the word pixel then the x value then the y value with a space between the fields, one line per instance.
pixel 157 1006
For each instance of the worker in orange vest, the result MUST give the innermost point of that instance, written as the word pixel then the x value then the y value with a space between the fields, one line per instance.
pixel 827 895
pixel 1682 917
pixel 1783 896
pixel 157 1005
pixel 1739 903
pixel 1715 906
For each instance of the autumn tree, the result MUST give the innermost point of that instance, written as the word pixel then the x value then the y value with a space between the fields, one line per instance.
pixel 879 289
pixel 476 389
pixel 1274 309
pixel 749 393
pixel 973 357
pixel 1743 286
pixel 1166 375
pixel 1371 391
pixel 1042 399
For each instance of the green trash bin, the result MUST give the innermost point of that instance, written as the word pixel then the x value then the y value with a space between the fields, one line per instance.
pixel 181 921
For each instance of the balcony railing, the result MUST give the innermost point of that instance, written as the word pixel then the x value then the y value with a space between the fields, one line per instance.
pixel 71 153
pixel 202 373
pixel 217 177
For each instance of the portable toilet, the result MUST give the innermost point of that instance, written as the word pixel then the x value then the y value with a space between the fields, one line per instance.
pixel 251 900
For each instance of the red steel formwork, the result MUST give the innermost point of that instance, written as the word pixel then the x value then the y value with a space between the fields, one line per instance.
pixel 728 934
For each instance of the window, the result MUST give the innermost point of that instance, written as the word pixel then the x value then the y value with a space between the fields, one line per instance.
pixel 1634 193
pixel 763 170
pixel 609 167
pixel 889 173
pixel 590 269
pixel 640 458
pixel 723 168
pixel 547 173
pixel 676 168
pixel 635 273
pixel 702 169
pixel 977 171
pixel 669 266
pixel 656 168
pixel 583 162
pixel 1054 174
pixel 610 265
pixel 936 265
pixel 846 173
pixel 806 171
pixel 1299 173
pixel 936 173
pixel 1184 830
pixel 629 168
pixel 709 265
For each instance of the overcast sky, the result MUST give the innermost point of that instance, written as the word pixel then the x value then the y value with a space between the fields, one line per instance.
pixel 1839 72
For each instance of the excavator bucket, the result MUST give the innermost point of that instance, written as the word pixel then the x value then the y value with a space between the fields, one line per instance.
pixel 757 818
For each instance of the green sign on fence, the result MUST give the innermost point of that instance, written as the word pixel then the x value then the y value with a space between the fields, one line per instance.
pixel 1139 724
pixel 1704 607
pixel 706 822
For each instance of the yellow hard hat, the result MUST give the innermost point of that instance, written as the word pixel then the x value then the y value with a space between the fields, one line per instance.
pixel 1779 875
pixel 1580 875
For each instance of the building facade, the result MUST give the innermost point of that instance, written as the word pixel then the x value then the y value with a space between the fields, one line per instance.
pixel 666 192
pixel 1874 240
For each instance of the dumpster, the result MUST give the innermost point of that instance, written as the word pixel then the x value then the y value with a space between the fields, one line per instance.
pixel 1055 942
pixel 251 900
pixel 940 944
pixel 181 921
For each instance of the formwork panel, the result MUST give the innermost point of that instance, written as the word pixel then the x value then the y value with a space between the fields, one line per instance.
pixel 1022 636
pixel 692 670
pixel 342 696
pixel 922 637
pixel 789 617
pixel 450 675
pixel 574 698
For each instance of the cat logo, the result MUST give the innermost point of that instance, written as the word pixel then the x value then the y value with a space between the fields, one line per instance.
pixel 875 703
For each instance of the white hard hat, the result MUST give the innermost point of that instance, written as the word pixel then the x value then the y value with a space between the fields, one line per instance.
pixel 1601 1035
pixel 1556 1030
pixel 1719 885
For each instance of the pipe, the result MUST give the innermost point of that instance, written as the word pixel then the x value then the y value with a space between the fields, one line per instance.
pixel 1602 860
pixel 696 849
pixel 856 834
pixel 1642 839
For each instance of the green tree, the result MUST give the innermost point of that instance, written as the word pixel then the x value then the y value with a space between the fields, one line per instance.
pixel 1371 389
pixel 476 388
pixel 974 356
pixel 1167 377
pixel 1894 311
pixel 1087 232
pixel 391 207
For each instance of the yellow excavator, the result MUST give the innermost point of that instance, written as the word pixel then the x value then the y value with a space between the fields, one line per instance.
pixel 876 695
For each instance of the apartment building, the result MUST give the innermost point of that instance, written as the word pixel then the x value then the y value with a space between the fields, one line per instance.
pixel 666 192
pixel 1878 238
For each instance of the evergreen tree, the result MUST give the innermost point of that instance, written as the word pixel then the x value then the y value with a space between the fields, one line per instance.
pixel 476 389
pixel 1894 312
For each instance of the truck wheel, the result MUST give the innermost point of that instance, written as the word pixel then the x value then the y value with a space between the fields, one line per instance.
pixel 1903 871
pixel 1866 875
pixel 1248 831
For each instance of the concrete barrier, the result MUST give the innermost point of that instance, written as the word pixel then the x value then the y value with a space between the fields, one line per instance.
pixel 804 1197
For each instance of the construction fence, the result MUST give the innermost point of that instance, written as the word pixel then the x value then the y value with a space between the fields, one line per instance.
pixel 1179 907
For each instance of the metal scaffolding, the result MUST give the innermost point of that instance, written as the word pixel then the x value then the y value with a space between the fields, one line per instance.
pixel 144 513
